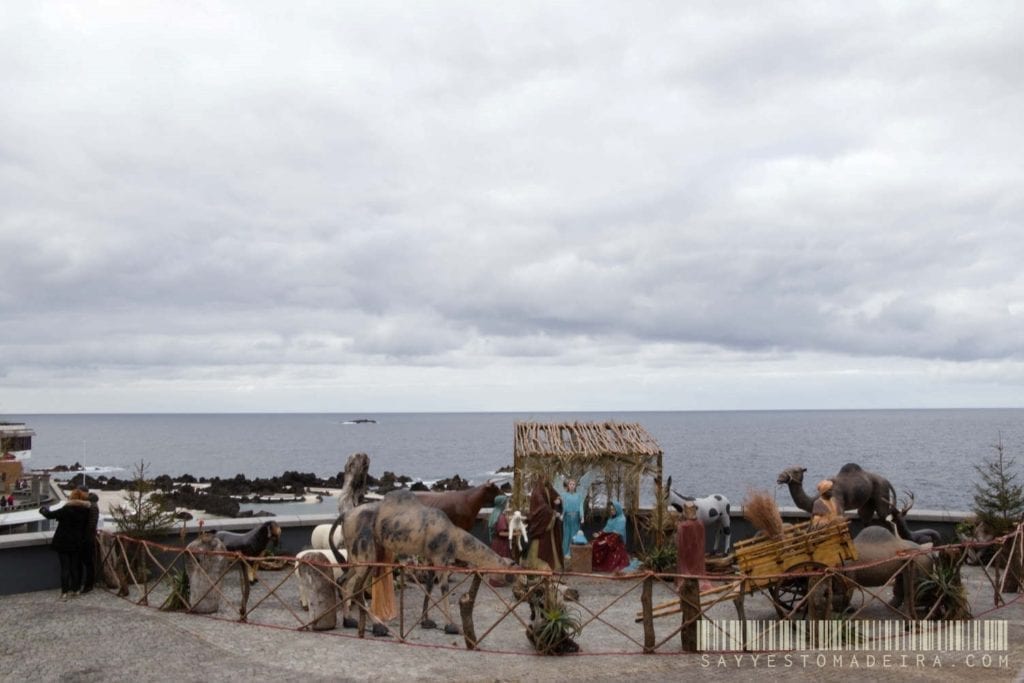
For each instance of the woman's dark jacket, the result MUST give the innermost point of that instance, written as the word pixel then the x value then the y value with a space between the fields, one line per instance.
pixel 94 519
pixel 72 525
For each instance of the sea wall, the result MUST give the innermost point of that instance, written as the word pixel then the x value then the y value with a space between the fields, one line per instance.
pixel 28 564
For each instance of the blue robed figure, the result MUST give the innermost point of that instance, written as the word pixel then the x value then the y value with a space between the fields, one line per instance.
pixel 573 493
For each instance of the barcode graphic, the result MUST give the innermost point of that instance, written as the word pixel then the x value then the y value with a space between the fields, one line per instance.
pixel 733 635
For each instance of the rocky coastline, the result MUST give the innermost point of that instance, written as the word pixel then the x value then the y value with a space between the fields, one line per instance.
pixel 223 497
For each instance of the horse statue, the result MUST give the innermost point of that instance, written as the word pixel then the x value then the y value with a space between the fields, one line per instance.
pixel 712 511
pixel 462 507
pixel 353 488
pixel 251 544
pixel 400 525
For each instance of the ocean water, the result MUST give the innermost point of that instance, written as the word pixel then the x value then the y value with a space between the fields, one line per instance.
pixel 931 452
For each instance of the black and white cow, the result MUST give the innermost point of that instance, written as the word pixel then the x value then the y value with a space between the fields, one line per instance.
pixel 712 511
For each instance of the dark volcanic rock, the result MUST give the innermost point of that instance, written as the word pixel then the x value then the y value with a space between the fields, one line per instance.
pixel 453 483
pixel 188 497
pixel 389 481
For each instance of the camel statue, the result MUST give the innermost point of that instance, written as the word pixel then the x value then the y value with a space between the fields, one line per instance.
pixel 854 488
pixel 399 524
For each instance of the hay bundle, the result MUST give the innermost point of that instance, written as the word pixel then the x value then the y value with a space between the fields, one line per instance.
pixel 760 510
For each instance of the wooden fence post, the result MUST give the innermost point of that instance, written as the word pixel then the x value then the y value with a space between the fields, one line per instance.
pixel 466 603
pixel 648 609
pixel 689 601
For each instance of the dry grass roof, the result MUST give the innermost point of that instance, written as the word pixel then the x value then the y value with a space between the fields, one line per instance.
pixel 623 454
pixel 585 440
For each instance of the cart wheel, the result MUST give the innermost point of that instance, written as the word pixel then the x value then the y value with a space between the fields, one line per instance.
pixel 787 593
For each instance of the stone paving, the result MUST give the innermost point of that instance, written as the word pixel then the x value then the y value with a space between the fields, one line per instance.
pixel 100 637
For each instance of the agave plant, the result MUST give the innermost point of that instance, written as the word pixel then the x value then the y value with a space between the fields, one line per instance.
pixel 555 626
pixel 180 591
pixel 943 590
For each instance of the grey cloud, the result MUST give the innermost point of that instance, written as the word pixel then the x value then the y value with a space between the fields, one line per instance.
pixel 464 188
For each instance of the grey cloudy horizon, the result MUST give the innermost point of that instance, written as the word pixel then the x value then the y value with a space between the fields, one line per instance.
pixel 222 207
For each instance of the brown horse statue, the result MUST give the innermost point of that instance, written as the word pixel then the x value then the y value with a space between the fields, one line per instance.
pixel 400 525
pixel 462 507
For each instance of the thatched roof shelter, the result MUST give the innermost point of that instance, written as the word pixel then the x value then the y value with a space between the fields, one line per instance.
pixel 622 454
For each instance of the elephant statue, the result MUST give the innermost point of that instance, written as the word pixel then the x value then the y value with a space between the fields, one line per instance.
pixel 874 545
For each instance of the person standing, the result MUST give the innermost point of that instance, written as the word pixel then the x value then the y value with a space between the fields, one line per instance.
pixel 497 532
pixel 824 511
pixel 89 545
pixel 497 527
pixel 68 539
pixel 545 528
pixel 573 495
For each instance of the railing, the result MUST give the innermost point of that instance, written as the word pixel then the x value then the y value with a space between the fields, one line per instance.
pixel 641 612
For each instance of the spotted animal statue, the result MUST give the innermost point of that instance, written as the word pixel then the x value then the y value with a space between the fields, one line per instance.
pixel 853 488
pixel 400 525
pixel 712 511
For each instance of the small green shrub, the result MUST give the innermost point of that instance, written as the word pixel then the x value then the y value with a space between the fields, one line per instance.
pixel 661 559
pixel 180 596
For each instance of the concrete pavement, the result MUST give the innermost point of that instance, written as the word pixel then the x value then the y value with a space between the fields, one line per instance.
pixel 99 637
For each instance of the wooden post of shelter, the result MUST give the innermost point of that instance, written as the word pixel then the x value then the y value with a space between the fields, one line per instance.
pixel 623 454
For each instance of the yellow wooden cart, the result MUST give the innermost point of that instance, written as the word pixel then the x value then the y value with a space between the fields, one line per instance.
pixel 803 550
pixel 787 567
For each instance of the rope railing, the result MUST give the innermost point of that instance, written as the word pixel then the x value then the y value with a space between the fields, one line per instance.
pixel 605 607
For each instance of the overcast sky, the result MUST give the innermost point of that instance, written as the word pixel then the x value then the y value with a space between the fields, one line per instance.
pixel 267 206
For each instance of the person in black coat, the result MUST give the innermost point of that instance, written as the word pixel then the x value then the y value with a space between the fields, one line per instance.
pixel 89 544
pixel 69 539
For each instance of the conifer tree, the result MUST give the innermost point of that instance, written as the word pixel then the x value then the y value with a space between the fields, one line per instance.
pixel 142 515
pixel 998 499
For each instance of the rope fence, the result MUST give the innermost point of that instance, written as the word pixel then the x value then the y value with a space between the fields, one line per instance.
pixel 642 612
